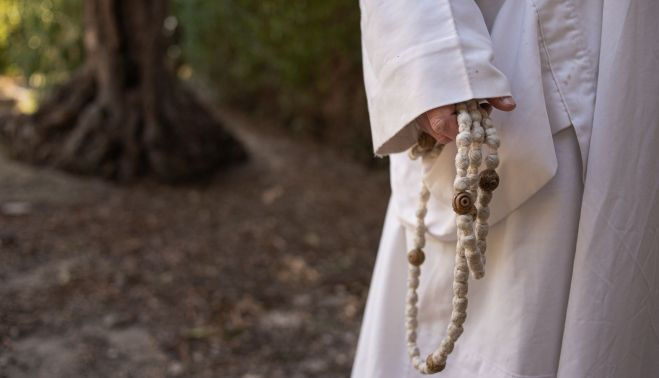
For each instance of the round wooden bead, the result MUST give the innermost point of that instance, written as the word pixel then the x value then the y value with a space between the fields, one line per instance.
pixel 426 141
pixel 434 367
pixel 489 180
pixel 416 257
pixel 463 203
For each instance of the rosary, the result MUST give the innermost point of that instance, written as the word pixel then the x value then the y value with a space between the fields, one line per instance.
pixel 472 195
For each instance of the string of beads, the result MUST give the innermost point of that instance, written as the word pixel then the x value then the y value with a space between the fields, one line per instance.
pixel 472 195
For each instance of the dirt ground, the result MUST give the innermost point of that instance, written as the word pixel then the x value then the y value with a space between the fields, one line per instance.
pixel 262 271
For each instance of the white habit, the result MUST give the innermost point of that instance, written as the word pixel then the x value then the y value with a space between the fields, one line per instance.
pixel 571 287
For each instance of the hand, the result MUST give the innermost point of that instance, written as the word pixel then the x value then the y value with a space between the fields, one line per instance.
pixel 442 122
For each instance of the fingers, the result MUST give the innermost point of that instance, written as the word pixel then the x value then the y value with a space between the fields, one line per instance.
pixel 441 123
pixel 444 121
pixel 444 140
pixel 424 122
pixel 505 104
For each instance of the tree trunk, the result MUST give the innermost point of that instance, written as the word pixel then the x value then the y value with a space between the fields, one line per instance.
pixel 124 114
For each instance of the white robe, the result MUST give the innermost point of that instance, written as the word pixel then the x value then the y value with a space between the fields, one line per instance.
pixel 571 284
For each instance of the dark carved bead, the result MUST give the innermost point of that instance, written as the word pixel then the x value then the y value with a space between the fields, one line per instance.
pixel 426 141
pixel 416 256
pixel 463 203
pixel 489 180
pixel 434 367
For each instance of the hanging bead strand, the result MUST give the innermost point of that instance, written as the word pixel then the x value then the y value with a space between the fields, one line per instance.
pixel 488 182
pixel 473 255
pixel 472 195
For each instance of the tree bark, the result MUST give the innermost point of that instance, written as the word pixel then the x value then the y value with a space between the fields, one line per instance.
pixel 124 114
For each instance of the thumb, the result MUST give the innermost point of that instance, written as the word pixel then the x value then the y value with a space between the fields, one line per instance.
pixel 505 104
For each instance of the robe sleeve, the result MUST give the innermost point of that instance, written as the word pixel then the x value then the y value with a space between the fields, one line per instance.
pixel 418 55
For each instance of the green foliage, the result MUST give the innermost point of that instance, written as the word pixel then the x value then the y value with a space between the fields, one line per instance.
pixel 267 42
pixel 272 53
pixel 40 41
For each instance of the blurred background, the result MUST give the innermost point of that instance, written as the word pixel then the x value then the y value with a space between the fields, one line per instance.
pixel 187 188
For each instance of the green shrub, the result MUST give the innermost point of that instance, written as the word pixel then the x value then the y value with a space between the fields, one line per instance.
pixel 40 41
pixel 275 54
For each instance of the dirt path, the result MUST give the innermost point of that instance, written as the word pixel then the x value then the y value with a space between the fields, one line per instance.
pixel 261 272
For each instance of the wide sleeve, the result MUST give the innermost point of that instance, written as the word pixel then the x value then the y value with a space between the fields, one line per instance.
pixel 418 55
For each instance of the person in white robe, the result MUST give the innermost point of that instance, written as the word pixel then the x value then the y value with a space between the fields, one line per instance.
pixel 571 287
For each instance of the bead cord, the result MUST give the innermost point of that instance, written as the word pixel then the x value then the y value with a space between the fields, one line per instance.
pixel 472 196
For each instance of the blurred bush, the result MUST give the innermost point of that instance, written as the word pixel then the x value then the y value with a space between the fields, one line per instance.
pixel 40 41
pixel 295 61
pixel 299 61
